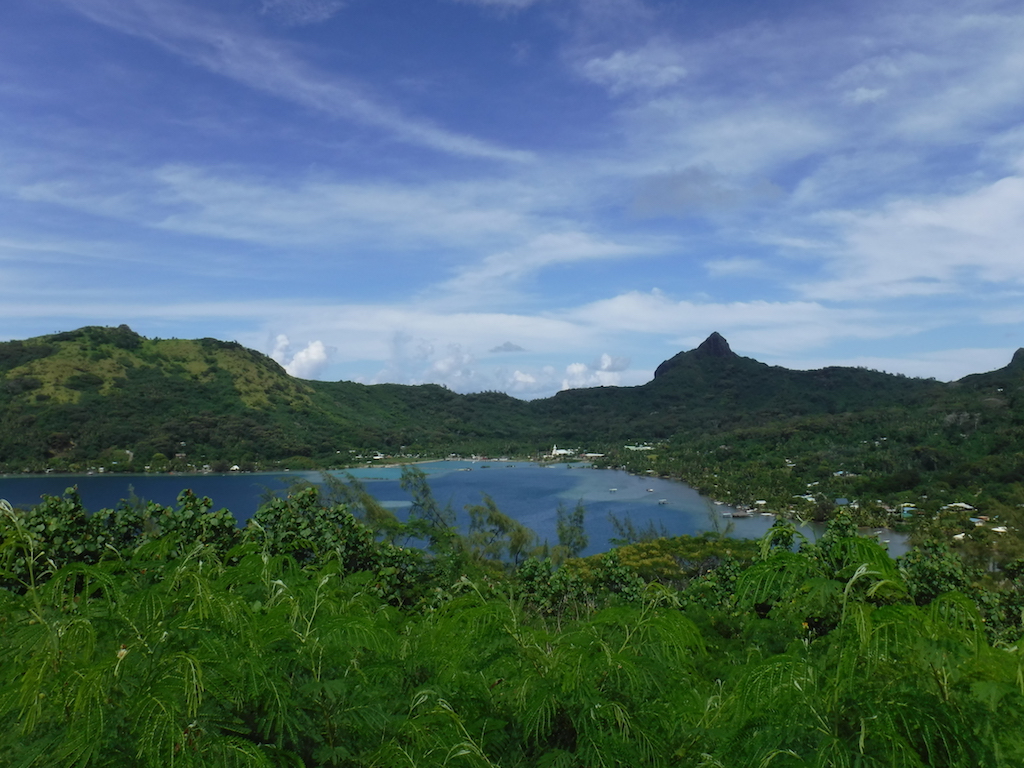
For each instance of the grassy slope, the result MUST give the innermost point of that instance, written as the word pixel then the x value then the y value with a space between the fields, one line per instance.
pixel 77 394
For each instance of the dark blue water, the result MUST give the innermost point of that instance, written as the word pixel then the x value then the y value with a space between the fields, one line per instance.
pixel 531 494
pixel 241 493
pixel 525 491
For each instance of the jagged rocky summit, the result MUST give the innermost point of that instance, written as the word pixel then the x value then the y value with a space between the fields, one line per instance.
pixel 714 347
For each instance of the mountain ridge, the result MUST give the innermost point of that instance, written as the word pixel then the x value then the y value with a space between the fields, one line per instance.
pixel 72 396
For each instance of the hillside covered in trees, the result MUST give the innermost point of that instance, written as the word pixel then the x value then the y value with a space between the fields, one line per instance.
pixel 78 398
pixel 891 449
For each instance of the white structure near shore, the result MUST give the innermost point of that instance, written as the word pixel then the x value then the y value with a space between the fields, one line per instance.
pixel 556 451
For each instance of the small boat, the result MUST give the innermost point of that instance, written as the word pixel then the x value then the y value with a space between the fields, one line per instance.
pixel 650 490
pixel 612 490
pixel 663 501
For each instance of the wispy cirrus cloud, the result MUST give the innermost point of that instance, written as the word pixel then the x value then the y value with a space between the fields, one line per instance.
pixel 769 326
pixel 934 245
pixel 868 104
pixel 647 69
pixel 264 65
pixel 310 213
pixel 500 275
pixel 301 12
pixel 496 234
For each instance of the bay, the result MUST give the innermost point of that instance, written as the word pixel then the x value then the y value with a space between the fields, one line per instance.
pixel 526 491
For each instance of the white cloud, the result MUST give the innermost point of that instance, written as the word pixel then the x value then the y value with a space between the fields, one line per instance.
pixel 609 364
pixel 737 138
pixel 928 246
pixel 416 360
pixel 499 272
pixel 406 336
pixel 420 346
pixel 281 347
pixel 310 213
pixel 865 95
pixel 871 79
pixel 455 368
pixel 307 363
pixel 950 96
pixel 882 101
pixel 544 381
pixel 764 327
pixel 647 69
pixel 581 375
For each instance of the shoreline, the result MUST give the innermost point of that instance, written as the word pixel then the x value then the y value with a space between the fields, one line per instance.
pixel 232 473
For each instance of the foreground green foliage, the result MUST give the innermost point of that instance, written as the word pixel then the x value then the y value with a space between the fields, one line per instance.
pixel 311 639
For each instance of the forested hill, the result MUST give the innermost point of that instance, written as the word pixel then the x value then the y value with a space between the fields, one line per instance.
pixel 711 388
pixel 108 393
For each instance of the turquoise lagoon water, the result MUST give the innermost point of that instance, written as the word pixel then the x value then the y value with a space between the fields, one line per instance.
pixel 526 491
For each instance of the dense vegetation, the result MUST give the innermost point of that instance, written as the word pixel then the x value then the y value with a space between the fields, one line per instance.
pixel 944 460
pixel 950 467
pixel 107 397
pixel 316 636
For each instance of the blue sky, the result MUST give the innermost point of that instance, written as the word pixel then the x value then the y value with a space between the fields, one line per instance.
pixel 521 195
